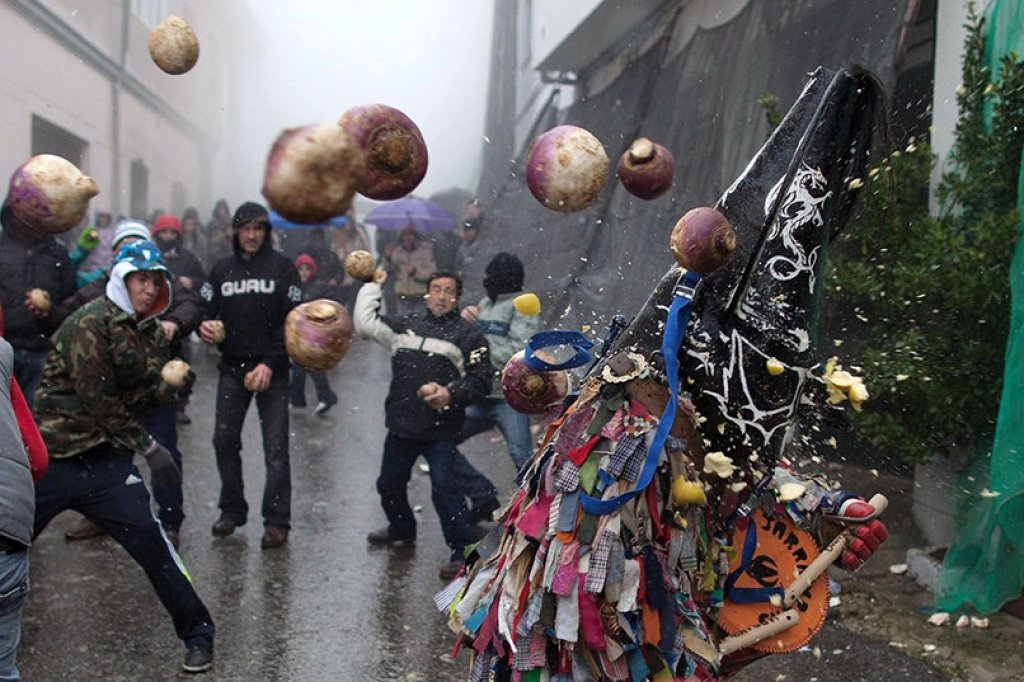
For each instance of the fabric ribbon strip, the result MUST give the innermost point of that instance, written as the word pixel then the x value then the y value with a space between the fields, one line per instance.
pixel 675 329
pixel 580 343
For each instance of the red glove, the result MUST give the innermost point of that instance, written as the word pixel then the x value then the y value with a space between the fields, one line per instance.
pixel 38 457
pixel 850 510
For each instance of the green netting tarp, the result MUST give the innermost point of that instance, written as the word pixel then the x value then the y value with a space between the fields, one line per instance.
pixel 985 564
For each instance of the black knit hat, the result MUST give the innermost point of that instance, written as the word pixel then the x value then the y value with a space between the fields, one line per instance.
pixel 250 212
pixel 503 275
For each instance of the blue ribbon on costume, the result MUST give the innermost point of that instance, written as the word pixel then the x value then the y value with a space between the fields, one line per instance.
pixel 749 595
pixel 675 329
pixel 557 338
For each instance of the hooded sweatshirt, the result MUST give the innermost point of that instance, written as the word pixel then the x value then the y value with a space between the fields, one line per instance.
pixel 103 373
pixel 252 295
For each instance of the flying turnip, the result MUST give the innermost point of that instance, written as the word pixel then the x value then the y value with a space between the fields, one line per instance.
pixel 703 241
pixel 566 169
pixel 360 265
pixel 317 334
pixel 394 153
pixel 312 173
pixel 173 46
pixel 49 194
pixel 646 169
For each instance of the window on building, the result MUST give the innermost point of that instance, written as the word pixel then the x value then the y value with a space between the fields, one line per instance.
pixel 150 12
pixel 49 138
pixel 138 201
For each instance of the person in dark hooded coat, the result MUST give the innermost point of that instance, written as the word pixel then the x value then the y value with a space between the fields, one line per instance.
pixel 251 293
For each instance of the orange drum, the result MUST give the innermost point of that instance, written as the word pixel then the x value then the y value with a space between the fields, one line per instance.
pixel 782 551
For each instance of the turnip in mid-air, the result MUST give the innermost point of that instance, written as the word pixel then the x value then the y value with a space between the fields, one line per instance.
pixel 360 265
pixel 312 173
pixel 173 46
pixel 394 153
pixel 703 241
pixel 646 169
pixel 49 194
pixel 317 334
pixel 566 169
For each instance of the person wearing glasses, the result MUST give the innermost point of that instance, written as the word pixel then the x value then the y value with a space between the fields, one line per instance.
pixel 440 363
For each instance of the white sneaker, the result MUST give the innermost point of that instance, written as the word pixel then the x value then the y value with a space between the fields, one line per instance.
pixel 322 407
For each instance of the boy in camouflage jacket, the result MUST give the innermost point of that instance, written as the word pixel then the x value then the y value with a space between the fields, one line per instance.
pixel 101 376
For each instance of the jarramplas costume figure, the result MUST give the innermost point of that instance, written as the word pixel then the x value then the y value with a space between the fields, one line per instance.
pixel 657 532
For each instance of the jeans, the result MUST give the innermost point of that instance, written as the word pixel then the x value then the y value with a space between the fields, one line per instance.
pixel 106 487
pixel 13 590
pixel 28 370
pixel 514 426
pixel 400 454
pixel 162 424
pixel 324 393
pixel 233 400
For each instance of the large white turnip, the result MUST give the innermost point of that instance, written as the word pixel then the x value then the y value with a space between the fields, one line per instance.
pixel 394 153
pixel 312 173
pixel 173 46
pixel 566 169
pixel 49 194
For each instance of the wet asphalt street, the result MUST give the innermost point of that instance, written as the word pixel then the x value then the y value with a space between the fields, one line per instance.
pixel 325 606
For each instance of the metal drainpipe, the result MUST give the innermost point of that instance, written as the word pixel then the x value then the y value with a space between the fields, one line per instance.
pixel 116 85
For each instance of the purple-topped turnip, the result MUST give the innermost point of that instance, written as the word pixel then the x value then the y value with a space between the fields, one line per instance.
pixel 394 153
pixel 317 334
pixel 529 391
pixel 566 169
pixel 173 46
pixel 48 193
pixel 646 169
pixel 312 173
pixel 703 241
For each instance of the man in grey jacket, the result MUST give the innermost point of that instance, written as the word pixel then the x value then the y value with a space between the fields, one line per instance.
pixel 17 511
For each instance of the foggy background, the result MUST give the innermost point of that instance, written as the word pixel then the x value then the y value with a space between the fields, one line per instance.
pixel 319 58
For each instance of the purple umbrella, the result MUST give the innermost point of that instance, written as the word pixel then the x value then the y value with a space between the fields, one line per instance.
pixel 424 216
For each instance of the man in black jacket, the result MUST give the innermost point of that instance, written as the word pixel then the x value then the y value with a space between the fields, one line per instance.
pixel 30 259
pixel 251 293
pixel 439 364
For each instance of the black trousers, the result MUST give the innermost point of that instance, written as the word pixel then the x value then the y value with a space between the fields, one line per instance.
pixel 107 489
pixel 233 400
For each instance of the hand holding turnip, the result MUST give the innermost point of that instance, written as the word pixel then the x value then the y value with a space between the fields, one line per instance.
pixel 173 46
pixel 38 302
pixel 212 331
pixel 175 374
pixel 427 389
pixel 258 379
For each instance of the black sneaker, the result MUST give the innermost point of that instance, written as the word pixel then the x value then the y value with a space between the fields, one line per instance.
pixel 484 512
pixel 382 536
pixel 198 660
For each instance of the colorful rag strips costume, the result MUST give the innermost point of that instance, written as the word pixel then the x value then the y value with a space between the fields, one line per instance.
pixel 596 571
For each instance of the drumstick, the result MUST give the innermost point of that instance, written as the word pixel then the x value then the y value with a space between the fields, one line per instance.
pixel 828 557
pixel 777 624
